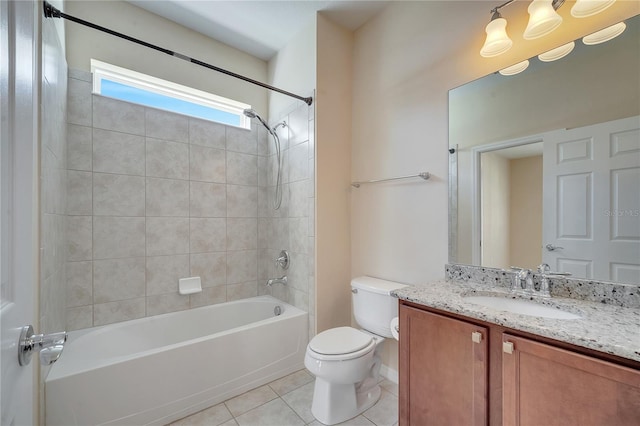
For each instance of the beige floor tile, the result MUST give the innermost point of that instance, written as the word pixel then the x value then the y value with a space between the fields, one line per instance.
pixel 356 421
pixel 274 413
pixel 389 386
pixel 385 412
pixel 291 382
pixel 231 422
pixel 213 416
pixel 300 400
pixel 250 400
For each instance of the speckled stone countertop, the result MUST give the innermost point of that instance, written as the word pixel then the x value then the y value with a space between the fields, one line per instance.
pixel 603 327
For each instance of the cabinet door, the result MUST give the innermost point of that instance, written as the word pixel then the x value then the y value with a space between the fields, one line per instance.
pixel 443 370
pixel 545 385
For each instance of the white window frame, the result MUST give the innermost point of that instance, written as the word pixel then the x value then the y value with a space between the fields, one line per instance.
pixel 102 70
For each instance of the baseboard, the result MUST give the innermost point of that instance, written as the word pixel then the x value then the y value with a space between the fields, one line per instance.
pixel 389 373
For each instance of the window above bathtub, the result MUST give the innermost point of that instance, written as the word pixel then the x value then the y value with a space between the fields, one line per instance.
pixel 131 86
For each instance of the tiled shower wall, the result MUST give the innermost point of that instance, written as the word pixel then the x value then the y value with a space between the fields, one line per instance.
pixel 292 226
pixel 154 197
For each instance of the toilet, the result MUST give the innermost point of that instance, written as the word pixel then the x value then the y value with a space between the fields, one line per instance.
pixel 345 360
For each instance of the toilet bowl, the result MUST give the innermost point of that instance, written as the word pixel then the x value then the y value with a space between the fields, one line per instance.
pixel 346 361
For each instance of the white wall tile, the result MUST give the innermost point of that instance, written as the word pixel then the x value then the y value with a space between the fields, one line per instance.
pixel 118 195
pixel 207 164
pixel 299 162
pixel 210 267
pixel 118 237
pixel 163 273
pixel 299 234
pixel 242 201
pixel 79 241
pixel 115 152
pixel 79 193
pixel 207 199
pixel 242 233
pixel 298 126
pixel 79 283
pixel 242 140
pixel 79 317
pixel 167 159
pixel 167 235
pixel 118 279
pixel 299 201
pixel 79 102
pixel 209 296
pixel 242 266
pixel 165 303
pixel 242 291
pixel 123 310
pixel 166 125
pixel 208 235
pixel 242 169
pixel 112 114
pixel 207 133
pixel 79 148
pixel 167 197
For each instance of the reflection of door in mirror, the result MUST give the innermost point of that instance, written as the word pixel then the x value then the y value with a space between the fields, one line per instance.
pixel 592 201
pixel 511 206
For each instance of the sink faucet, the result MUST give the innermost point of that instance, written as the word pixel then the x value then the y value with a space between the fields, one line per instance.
pixel 522 275
pixel 282 280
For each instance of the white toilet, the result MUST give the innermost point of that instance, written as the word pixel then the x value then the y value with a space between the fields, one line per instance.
pixel 345 360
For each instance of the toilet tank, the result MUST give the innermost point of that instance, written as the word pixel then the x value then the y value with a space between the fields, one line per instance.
pixel 373 305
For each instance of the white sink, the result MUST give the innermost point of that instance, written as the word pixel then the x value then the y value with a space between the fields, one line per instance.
pixel 519 306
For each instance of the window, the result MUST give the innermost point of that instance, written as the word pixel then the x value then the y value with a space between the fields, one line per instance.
pixel 121 83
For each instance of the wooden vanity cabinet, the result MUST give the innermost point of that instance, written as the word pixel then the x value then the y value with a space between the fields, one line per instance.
pixel 509 377
pixel 443 370
pixel 545 385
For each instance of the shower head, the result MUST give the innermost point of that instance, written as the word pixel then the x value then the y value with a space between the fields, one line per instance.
pixel 251 113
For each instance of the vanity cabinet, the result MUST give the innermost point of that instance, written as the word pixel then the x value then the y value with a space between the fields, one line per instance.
pixel 462 371
pixel 443 370
pixel 545 385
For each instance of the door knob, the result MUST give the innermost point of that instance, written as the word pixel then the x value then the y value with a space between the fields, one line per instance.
pixel 551 247
pixel 49 346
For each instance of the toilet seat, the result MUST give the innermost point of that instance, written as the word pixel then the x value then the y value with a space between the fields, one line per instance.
pixel 340 344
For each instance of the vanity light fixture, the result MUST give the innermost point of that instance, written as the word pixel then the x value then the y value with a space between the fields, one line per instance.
pixel 497 41
pixel 586 8
pixel 557 53
pixel 605 34
pixel 543 18
pixel 515 69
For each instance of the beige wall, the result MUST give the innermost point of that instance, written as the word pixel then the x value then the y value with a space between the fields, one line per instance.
pixel 333 163
pixel 526 212
pixel 405 61
pixel 496 209
pixel 84 43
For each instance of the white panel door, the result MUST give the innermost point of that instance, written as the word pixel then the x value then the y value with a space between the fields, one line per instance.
pixel 18 203
pixel 591 225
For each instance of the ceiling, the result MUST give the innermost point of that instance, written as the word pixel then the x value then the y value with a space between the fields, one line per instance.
pixel 259 27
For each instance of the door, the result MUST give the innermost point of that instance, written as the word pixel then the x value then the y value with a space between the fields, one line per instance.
pixel 18 204
pixel 443 370
pixel 592 201
pixel 545 385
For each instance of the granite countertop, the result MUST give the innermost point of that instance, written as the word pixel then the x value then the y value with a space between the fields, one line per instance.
pixel 606 328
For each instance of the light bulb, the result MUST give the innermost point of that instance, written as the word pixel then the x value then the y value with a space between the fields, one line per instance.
pixel 605 34
pixel 497 41
pixel 515 69
pixel 557 53
pixel 543 19
pixel 585 8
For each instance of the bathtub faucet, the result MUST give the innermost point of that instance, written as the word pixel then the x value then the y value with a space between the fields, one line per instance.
pixel 281 280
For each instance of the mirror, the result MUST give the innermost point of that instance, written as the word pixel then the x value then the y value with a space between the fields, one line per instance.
pixel 516 194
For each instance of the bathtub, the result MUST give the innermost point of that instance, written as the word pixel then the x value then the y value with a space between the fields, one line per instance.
pixel 159 369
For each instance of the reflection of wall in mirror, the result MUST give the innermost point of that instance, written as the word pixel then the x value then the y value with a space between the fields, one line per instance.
pixel 511 193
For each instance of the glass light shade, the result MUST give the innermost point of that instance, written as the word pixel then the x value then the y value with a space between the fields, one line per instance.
pixel 586 8
pixel 604 35
pixel 543 19
pixel 557 53
pixel 515 69
pixel 497 41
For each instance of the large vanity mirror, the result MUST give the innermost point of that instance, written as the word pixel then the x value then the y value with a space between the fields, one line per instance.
pixel 545 165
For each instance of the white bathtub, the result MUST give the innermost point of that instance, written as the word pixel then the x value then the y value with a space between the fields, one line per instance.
pixel 158 369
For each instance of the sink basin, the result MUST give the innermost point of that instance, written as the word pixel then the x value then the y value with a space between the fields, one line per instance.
pixel 519 306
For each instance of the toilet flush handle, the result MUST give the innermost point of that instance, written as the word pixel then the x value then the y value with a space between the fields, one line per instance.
pixel 354 290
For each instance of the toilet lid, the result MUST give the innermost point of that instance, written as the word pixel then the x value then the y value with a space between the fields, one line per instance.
pixel 340 340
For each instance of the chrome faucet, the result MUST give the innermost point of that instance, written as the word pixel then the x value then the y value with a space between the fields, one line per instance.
pixel 49 346
pixel 521 276
pixel 545 274
pixel 282 280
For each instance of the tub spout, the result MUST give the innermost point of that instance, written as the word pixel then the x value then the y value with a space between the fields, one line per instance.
pixel 281 280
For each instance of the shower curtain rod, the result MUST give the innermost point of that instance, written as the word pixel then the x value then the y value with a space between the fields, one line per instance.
pixel 52 12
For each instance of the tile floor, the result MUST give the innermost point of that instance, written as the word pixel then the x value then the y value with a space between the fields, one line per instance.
pixel 287 402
